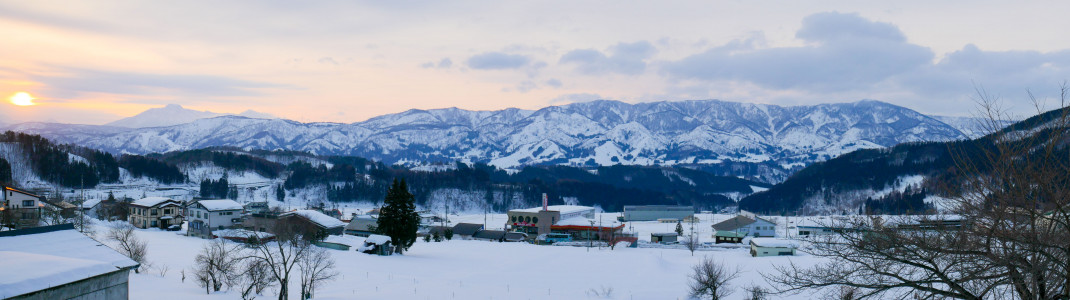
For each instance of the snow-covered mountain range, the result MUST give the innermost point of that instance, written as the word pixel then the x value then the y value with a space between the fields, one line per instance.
pixel 174 114
pixel 706 132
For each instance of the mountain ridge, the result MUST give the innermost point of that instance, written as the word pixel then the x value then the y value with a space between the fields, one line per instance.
pixel 730 138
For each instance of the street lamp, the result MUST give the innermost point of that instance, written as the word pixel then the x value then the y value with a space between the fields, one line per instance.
pixel 589 235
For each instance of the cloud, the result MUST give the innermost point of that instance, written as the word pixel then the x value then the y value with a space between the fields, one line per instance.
pixel 553 82
pixel 76 81
pixel 526 86
pixel 328 61
pixel 498 61
pixel 624 58
pixel 845 52
pixel 445 63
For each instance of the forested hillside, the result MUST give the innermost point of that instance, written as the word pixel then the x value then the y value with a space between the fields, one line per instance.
pixel 845 180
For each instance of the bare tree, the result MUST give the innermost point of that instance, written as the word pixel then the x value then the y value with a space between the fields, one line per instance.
pixel 711 279
pixel 220 261
pixel 692 243
pixel 281 256
pixel 256 277
pixel 316 267
pixel 128 243
pixel 1006 235
pixel 756 292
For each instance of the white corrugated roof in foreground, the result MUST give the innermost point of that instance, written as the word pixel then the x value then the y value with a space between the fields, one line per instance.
pixel 35 262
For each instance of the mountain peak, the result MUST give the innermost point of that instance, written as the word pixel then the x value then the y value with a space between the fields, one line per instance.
pixel 175 114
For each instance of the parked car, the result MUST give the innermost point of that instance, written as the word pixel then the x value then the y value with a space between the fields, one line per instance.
pixel 551 238
pixel 175 227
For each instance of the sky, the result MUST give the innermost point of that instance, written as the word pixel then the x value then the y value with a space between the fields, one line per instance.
pixel 346 61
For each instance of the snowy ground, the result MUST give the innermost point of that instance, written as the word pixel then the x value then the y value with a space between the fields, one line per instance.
pixel 474 270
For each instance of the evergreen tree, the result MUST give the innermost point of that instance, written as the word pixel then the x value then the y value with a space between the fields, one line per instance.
pixel 280 193
pixel 398 218
pixel 679 229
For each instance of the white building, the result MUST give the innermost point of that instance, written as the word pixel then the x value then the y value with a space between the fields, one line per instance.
pixel 58 262
pixel 207 215
pixel 744 225
pixel 22 207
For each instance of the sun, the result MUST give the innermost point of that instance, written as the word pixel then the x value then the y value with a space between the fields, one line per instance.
pixel 22 99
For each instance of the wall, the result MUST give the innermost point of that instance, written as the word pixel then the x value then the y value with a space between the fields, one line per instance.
pixel 109 286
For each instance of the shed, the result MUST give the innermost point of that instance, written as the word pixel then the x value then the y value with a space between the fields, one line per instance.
pixel 669 237
pixel 466 230
pixel 340 242
pixel 721 237
pixel 58 262
pixel 377 244
pixel 772 247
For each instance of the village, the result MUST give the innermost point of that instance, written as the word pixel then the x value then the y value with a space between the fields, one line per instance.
pixel 666 230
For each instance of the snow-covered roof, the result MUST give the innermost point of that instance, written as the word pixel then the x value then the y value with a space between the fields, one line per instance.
pixel 319 218
pixel 377 239
pixel 564 209
pixel 90 203
pixel 581 221
pixel 33 262
pixel 151 201
pixel 217 205
pixel 347 240
pixel 774 242
pixel 241 233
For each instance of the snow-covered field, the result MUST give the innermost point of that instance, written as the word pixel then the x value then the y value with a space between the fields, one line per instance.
pixel 475 270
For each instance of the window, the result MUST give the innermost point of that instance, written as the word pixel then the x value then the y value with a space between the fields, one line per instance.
pixel 167 211
pixel 27 216
pixel 514 219
pixel 154 212
pixel 27 203
pixel 153 223
pixel 535 220
pixel 527 219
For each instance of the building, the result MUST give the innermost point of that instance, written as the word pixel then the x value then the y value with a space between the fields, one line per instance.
pixel 465 231
pixel 581 228
pixel 721 237
pixel 207 215
pixel 20 209
pixel 665 237
pixel 257 207
pixel 58 262
pixel 655 212
pixel 772 247
pixel 746 225
pixel 535 221
pixel 362 226
pixel 311 224
pixel 155 212
pixel 377 244
pixel 499 236
pixel 339 242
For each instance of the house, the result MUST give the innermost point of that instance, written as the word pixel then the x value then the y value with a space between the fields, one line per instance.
pixel 772 247
pixel 362 226
pixel 207 215
pixel 155 212
pixel 257 207
pixel 535 221
pixel 20 209
pixel 747 225
pixel 377 244
pixel 311 224
pixel 721 237
pixel 655 212
pixel 466 230
pixel 58 262
pixel 667 237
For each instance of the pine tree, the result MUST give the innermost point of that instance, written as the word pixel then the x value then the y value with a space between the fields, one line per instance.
pixel 398 218
pixel 280 193
pixel 679 229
